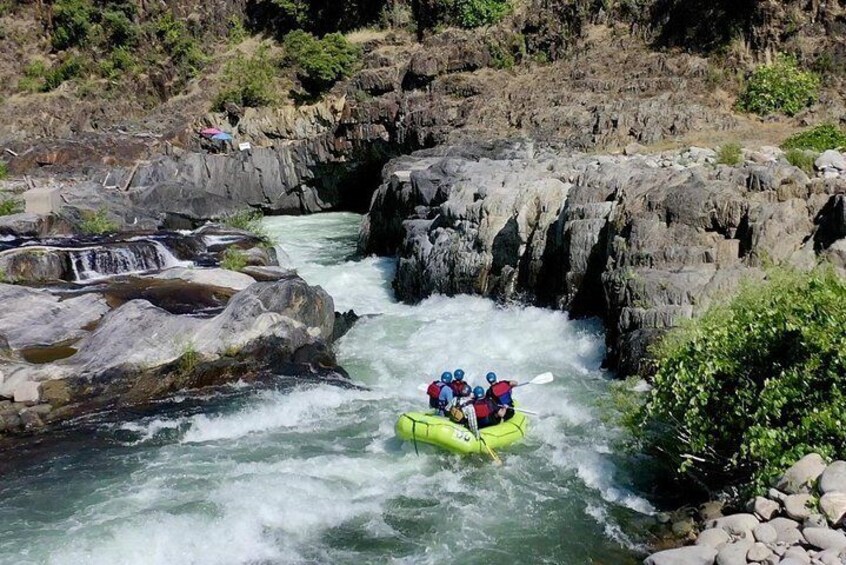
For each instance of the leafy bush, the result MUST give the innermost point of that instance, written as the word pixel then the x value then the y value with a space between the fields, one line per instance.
pixel 802 159
pixel 750 387
pixel 97 223
pixel 71 22
pixel 248 81
pixel 70 67
pixel 321 62
pixel 178 42
pixel 820 138
pixel 237 32
pixel 233 259
pixel 119 28
pixel 477 13
pixel 730 154
pixel 120 62
pixel 249 221
pixel 10 206
pixel 779 87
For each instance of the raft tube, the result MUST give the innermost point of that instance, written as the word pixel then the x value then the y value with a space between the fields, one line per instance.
pixel 444 433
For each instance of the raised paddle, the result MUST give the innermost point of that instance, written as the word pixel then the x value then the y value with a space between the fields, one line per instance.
pixel 524 411
pixel 542 379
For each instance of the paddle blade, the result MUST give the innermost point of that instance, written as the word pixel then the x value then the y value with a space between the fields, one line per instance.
pixel 542 379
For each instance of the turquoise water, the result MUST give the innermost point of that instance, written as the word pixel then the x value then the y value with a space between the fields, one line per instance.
pixel 314 474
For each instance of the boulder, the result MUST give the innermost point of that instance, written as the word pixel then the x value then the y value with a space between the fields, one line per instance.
pixel 268 274
pixel 802 475
pixel 798 554
pixel 736 524
pixel 758 553
pixel 230 281
pixel 691 555
pixel 713 537
pixel 830 557
pixel 815 521
pixel 833 505
pixel 824 538
pixel 734 553
pixel 798 506
pixel 764 508
pixel 765 533
pixel 833 479
pixel 37 318
pixel 831 159
pixel 787 530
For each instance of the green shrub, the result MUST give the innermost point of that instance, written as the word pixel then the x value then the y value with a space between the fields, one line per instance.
pixel 178 42
pixel 237 32
pixel 10 205
pixel 249 221
pixel 802 159
pixel 119 28
pixel 4 170
pixel 730 154
pixel 33 79
pixel 477 13
pixel 71 22
pixel 68 69
pixel 248 81
pixel 819 139
pixel 749 388
pixel 321 62
pixel 779 87
pixel 233 259
pixel 97 223
pixel 119 63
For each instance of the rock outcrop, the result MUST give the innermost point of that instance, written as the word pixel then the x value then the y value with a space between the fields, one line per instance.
pixel 644 241
pixel 770 537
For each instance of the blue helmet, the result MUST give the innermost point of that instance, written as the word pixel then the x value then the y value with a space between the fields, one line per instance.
pixel 458 374
pixel 446 377
pixel 479 392
pixel 491 377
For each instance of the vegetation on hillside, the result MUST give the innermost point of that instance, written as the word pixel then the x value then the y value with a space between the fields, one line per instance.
pixel 780 87
pixel 819 139
pixel 249 81
pixel 320 63
pixel 750 387
pixel 730 154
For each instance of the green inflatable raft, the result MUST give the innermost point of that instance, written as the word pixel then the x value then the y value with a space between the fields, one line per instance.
pixel 444 433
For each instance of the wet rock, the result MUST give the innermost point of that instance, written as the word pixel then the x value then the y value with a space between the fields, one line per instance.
pixel 824 538
pixel 31 420
pixel 764 508
pixel 802 475
pixel 798 506
pixel 691 555
pixel 713 537
pixel 734 553
pixel 268 274
pixel 758 553
pixel 24 225
pixel 36 318
pixel 833 479
pixel 765 533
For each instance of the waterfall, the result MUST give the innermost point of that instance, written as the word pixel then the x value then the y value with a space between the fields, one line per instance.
pixel 132 257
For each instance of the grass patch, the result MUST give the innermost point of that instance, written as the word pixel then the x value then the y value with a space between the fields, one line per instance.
pixel 820 138
pixel 10 205
pixel 188 359
pixel 802 159
pixel 233 260
pixel 730 154
pixel 750 387
pixel 249 221
pixel 781 87
pixel 4 170
pixel 97 223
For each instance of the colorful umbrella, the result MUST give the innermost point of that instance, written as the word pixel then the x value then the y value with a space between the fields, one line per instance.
pixel 209 132
pixel 222 137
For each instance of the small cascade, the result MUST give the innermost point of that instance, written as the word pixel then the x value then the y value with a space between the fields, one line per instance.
pixel 130 257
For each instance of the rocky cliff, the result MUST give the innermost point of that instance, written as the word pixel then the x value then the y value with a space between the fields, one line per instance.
pixel 643 241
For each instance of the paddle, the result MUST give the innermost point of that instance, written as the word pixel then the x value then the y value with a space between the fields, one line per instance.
pixel 491 452
pixel 523 410
pixel 542 379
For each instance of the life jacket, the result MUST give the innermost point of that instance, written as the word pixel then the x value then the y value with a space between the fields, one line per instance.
pixel 483 409
pixel 434 392
pixel 500 392
pixel 460 388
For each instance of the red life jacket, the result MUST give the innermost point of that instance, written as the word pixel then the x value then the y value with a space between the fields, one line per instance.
pixel 483 408
pixel 459 388
pixel 501 392
pixel 434 390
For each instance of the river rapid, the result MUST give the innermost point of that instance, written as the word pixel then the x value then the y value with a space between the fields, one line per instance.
pixel 314 474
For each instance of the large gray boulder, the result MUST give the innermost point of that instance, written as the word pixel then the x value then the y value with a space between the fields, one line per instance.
pixel 691 555
pixel 802 475
pixel 833 505
pixel 35 318
pixel 824 538
pixel 833 479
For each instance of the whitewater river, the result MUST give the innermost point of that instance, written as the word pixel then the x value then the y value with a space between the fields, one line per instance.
pixel 314 474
